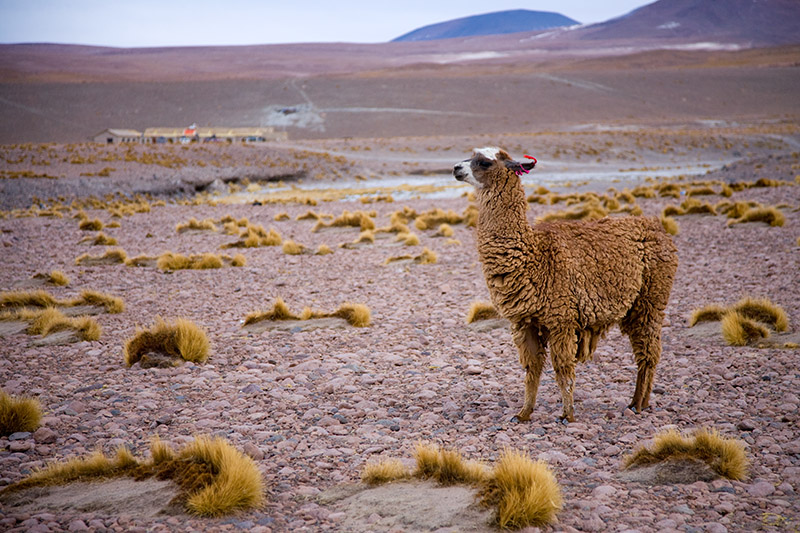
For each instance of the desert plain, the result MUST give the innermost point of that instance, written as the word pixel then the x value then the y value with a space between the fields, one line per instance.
pixel 313 405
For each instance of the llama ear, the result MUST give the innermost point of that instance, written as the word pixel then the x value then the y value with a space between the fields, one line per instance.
pixel 518 168
pixel 527 165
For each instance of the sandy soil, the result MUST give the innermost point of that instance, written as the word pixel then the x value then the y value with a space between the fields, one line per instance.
pixel 313 406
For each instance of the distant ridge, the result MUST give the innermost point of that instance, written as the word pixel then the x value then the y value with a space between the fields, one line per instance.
pixel 496 23
pixel 746 22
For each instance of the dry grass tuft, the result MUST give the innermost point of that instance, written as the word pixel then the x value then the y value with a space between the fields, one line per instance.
pixel 589 211
pixel 238 260
pixel 435 217
pixel 770 215
pixel 708 313
pixel 196 225
pixel 18 414
pixel 237 484
pixel 101 239
pixel 427 257
pixel 481 311
pixel 447 467
pixel 214 478
pixel 670 225
pixel 281 216
pixel 669 189
pixel 764 311
pixel 112 304
pixel 407 238
pixel 182 339
pixel 18 299
pixel 524 491
pixel 357 315
pixel 725 456
pixel 91 225
pixel 703 190
pixel 359 219
pixel 254 236
pixel 293 248
pixel 279 311
pixel 324 249
pixel 170 261
pixel 113 256
pixel 51 320
pixel 693 206
pixel 57 277
pixel 738 330
pixel 384 471
pixel 445 230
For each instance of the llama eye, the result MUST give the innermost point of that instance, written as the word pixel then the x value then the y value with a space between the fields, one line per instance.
pixel 485 164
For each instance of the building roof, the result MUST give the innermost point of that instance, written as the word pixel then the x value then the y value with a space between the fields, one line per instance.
pixel 120 132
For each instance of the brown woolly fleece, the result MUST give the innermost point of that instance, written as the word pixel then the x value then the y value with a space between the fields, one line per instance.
pixel 564 284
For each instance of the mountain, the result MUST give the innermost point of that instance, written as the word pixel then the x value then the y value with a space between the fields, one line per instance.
pixel 745 22
pixel 496 23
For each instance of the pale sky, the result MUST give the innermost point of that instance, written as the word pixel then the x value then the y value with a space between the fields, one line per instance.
pixel 138 23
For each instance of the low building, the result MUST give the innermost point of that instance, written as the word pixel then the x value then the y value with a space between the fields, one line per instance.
pixel 116 136
pixel 184 135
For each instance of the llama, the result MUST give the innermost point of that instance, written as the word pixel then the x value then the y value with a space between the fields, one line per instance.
pixel 564 284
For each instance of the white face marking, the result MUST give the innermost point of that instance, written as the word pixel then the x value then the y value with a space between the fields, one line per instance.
pixel 489 152
pixel 464 171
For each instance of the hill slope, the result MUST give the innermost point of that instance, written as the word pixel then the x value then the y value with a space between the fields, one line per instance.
pixel 496 23
pixel 757 23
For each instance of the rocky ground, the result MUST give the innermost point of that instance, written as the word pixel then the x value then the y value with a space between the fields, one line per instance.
pixel 312 407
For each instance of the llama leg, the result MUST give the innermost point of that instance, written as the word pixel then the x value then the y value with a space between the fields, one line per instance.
pixel 646 344
pixel 531 357
pixel 563 349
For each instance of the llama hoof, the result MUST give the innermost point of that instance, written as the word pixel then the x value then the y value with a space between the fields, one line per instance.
pixel 516 419
pixel 564 420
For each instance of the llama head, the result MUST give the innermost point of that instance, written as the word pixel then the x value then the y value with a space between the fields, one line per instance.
pixel 487 163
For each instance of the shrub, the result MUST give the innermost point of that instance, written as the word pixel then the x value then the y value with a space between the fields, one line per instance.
pixel 447 467
pixel 197 225
pixel 384 471
pixel 110 257
pixel 670 225
pixel 770 215
pixel 293 248
pixel 725 456
pixel 524 491
pixel 324 249
pixel 181 339
pixel 172 261
pixel 90 225
pixel 481 311
pixel 740 331
pixel 18 414
pixel 57 277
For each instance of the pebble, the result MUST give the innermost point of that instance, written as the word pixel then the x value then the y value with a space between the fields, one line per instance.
pixel 760 489
pixel 45 435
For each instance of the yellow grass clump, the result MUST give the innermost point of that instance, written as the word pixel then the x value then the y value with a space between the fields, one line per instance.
pixel 708 313
pixel 112 304
pixel 238 260
pixel 18 414
pixel 324 249
pixel 445 230
pixel 281 216
pixel 763 310
pixel 670 225
pixel 196 225
pixel 744 321
pixel 359 219
pixel 408 238
pixel 525 492
pixel 481 311
pixel 115 255
pixel 427 257
pixel 171 261
pixel 254 236
pixel 57 277
pixel 588 211
pixel 18 299
pixel 357 315
pixel 703 190
pixel 669 190
pixel 435 217
pixel 293 248
pixel 214 478
pixel 447 467
pixel 91 225
pixel 737 330
pixel 181 339
pixel 51 320
pixel 769 215
pixel 279 311
pixel 725 456
pixel 384 471
pixel 693 206
pixel 101 239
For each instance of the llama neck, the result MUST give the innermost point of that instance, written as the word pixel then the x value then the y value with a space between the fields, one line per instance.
pixel 502 210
